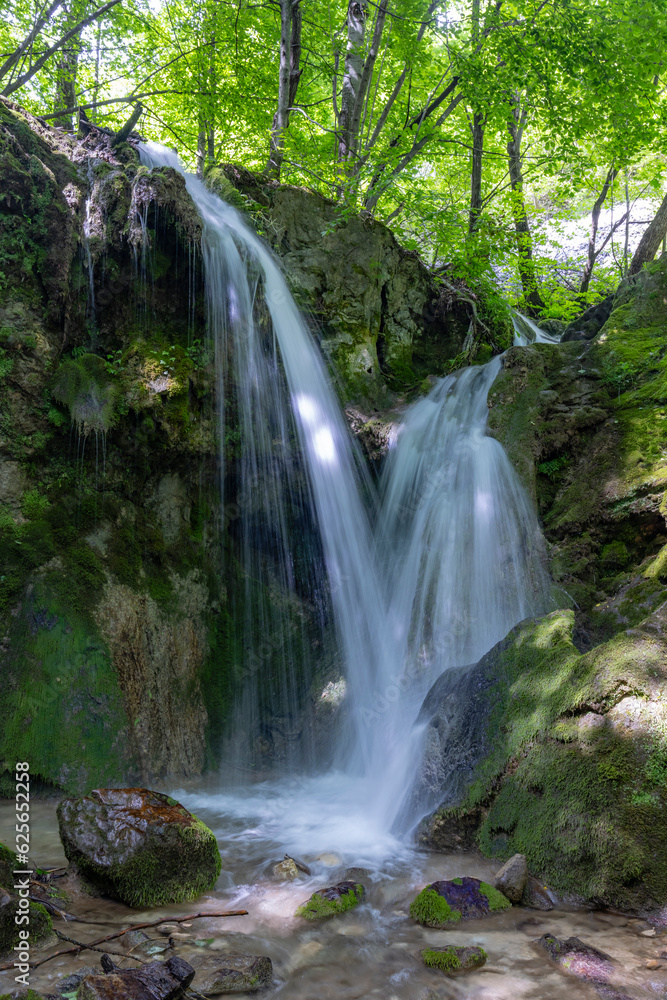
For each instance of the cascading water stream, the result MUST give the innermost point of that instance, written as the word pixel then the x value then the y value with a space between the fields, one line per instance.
pixel 266 416
pixel 456 561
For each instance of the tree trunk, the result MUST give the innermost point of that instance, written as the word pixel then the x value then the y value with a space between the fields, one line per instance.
pixel 357 14
pixel 476 172
pixel 651 240
pixel 595 222
pixel 515 126
pixel 288 81
pixel 66 70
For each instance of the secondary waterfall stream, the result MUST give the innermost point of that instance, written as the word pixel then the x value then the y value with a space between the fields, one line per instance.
pixel 453 563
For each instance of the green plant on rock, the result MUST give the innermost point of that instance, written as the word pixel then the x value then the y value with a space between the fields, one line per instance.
pixel 114 363
pixel 199 354
pixel 429 908
pixel 83 385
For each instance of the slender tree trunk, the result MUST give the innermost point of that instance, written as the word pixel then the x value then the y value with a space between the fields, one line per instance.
pixel 515 126
pixel 357 15
pixel 66 69
pixel 626 242
pixel 651 240
pixel 595 222
pixel 476 172
pixel 288 81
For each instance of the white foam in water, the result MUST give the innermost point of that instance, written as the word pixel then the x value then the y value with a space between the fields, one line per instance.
pixel 460 557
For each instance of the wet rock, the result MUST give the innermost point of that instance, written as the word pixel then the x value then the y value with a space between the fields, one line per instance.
pixel 70 984
pixel 301 865
pixel 360 875
pixel 233 974
pixel 538 896
pixel 286 869
pixel 577 958
pixel 448 902
pixel 589 324
pixel 511 879
pixel 334 899
pixel 155 981
pixel 139 846
pixel 455 959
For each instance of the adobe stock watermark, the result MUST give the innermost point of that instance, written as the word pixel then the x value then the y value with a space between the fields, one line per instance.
pixel 22 875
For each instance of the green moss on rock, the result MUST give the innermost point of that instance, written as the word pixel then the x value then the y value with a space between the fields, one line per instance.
pixel 40 925
pixel 454 958
pixel 429 908
pixel 174 858
pixel 575 781
pixel 330 902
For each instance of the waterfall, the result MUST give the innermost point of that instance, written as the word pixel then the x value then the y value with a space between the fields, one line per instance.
pixel 527 332
pixel 454 563
pixel 464 552
pixel 270 409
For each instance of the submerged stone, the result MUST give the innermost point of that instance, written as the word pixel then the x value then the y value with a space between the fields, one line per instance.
pixel 577 958
pixel 335 899
pixel 138 846
pixel 448 902
pixel 455 959
pixel 233 974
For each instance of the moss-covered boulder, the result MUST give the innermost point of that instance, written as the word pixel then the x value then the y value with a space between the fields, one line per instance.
pixel 567 759
pixel 332 900
pixel 455 959
pixel 449 901
pixel 139 846
pixel 13 934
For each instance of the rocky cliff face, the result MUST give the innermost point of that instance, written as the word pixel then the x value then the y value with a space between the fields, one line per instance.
pixel 558 735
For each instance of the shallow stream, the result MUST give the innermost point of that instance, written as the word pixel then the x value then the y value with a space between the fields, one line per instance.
pixel 371 951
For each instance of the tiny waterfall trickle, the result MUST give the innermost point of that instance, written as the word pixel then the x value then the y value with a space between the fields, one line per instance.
pixel 456 560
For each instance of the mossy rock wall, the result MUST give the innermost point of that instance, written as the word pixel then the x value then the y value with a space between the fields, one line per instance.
pixel 111 598
pixel 378 312
pixel 569 767
pixel 556 742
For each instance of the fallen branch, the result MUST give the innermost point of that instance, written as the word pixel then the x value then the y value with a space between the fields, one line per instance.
pixel 135 927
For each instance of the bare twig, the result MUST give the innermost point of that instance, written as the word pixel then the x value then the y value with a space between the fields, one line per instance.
pixel 134 927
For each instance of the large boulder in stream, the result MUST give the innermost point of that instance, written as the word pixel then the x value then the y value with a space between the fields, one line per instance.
pixel 139 846
pixel 449 901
